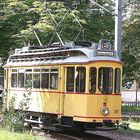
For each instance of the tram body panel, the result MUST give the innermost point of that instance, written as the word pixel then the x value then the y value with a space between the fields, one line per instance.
pixel 96 102
pixel 107 63
pixel 75 104
pixel 88 107
pixel 38 101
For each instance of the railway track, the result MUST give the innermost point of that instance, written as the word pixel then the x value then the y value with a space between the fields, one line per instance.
pixel 68 135
pixel 82 136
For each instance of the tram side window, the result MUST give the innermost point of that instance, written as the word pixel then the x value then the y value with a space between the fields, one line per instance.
pixel 117 80
pixel 14 78
pixel 45 78
pixel 54 79
pixel 92 79
pixel 36 78
pixel 28 80
pixel 21 80
pixel 70 79
pixel 105 80
pixel 80 79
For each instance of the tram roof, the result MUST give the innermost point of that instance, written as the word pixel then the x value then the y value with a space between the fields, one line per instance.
pixel 72 52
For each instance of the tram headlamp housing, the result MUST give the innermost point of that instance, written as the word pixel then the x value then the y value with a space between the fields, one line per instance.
pixel 104 111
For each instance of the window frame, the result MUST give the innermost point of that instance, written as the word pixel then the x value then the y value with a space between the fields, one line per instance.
pixel 32 72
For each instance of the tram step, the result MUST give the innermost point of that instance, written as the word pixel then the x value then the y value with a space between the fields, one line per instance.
pixel 33 121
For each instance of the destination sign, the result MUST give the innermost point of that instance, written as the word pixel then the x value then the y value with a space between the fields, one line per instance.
pixel 105 53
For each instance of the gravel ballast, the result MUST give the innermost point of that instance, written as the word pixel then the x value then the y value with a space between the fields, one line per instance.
pixel 118 135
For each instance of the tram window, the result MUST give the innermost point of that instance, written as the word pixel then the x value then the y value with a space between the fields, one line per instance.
pixel 54 79
pixel 117 80
pixel 80 79
pixel 36 70
pixel 92 79
pixel 14 80
pixel 28 80
pixel 45 78
pixel 36 80
pixel 105 80
pixel 28 70
pixel 21 80
pixel 70 79
pixel 14 70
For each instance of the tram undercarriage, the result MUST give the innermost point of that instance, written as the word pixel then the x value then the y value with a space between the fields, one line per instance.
pixel 53 123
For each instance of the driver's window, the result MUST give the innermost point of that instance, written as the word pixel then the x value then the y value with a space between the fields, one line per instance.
pixel 105 80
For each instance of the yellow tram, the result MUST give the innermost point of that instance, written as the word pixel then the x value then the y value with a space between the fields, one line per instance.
pixel 75 85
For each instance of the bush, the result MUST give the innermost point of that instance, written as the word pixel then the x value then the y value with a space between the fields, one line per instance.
pixel 11 119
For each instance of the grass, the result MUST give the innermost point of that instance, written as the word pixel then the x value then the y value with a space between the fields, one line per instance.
pixel 133 127
pixel 7 135
pixel 134 122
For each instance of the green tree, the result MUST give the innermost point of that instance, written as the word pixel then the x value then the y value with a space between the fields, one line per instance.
pixel 22 17
pixel 11 22
pixel 131 47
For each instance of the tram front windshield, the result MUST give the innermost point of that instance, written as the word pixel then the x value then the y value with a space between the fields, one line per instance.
pixel 105 80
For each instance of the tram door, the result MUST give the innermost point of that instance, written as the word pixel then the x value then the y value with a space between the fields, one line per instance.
pixel 75 80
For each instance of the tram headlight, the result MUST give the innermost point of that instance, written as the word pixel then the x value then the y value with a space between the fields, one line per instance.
pixel 104 111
